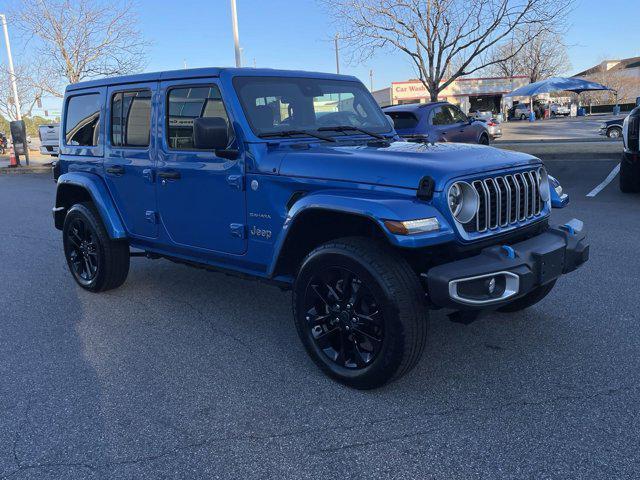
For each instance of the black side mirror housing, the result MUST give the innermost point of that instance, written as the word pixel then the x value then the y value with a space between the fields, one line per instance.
pixel 210 133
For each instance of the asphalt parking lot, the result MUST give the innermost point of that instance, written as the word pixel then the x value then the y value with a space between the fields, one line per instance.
pixel 558 128
pixel 183 373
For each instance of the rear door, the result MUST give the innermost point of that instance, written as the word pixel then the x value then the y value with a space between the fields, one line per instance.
pixel 200 195
pixel 443 124
pixel 129 156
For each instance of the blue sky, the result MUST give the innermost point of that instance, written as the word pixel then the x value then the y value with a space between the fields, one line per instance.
pixel 298 34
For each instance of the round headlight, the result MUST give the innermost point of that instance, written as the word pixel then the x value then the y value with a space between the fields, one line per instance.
pixel 543 184
pixel 463 201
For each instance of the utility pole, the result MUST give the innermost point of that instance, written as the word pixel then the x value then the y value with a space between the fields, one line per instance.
pixel 371 80
pixel 12 73
pixel 236 37
pixel 335 40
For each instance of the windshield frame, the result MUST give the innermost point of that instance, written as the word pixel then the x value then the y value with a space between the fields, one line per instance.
pixel 384 128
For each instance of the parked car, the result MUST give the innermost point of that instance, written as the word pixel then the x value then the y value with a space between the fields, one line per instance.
pixel 630 164
pixel 611 128
pixel 481 114
pixel 436 122
pixel 521 111
pixel 493 127
pixel 559 109
pixel 49 139
pixel 236 170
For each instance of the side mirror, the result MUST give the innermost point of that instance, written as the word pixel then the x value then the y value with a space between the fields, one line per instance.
pixel 390 120
pixel 210 133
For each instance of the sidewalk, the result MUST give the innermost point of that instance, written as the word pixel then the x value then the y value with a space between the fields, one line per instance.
pixel 37 164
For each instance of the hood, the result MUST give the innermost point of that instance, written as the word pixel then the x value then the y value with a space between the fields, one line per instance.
pixel 402 164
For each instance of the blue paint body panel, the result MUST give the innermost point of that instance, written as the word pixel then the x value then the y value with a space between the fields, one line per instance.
pixel 237 213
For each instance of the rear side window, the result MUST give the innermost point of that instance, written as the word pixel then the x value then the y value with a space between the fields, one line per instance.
pixel 82 121
pixel 131 119
pixel 186 104
pixel 403 120
pixel 441 116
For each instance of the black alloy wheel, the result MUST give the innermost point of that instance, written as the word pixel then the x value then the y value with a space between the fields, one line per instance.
pixel 343 318
pixel 360 313
pixel 96 261
pixel 82 251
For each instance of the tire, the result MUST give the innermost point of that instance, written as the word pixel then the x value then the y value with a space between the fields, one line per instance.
pixel 629 176
pixel 614 132
pixel 387 304
pixel 523 116
pixel 96 262
pixel 484 139
pixel 529 299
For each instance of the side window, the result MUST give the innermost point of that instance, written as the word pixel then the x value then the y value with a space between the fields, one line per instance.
pixel 82 120
pixel 131 119
pixel 184 105
pixel 441 116
pixel 458 116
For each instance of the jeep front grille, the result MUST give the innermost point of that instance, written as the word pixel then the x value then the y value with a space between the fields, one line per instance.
pixel 505 201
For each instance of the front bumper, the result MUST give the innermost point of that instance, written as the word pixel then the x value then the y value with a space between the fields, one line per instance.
pixel 514 270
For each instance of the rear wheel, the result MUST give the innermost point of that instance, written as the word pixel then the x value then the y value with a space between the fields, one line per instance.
pixel 629 176
pixel 530 299
pixel 484 139
pixel 360 313
pixel 523 116
pixel 96 262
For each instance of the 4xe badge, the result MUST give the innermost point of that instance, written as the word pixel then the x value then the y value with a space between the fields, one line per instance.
pixel 260 232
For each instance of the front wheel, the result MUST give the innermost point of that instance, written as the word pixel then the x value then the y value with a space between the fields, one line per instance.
pixel 96 262
pixel 614 132
pixel 359 311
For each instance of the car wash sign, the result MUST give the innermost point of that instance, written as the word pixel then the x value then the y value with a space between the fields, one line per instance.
pixel 415 89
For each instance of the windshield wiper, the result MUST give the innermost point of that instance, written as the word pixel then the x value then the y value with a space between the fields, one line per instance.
pixel 291 133
pixel 351 128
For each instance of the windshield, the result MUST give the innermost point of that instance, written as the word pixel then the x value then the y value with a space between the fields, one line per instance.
pixel 285 104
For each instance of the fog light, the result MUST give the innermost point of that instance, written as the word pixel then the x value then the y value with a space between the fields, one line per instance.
pixel 491 285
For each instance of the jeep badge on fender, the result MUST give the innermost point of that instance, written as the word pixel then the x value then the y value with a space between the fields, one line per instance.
pixel 299 179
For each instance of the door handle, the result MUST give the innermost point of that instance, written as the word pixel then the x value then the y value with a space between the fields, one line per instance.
pixel 115 170
pixel 169 175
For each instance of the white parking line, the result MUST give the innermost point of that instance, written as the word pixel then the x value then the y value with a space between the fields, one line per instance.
pixel 606 182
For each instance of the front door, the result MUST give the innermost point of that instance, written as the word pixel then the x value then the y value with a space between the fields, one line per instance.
pixel 200 195
pixel 129 157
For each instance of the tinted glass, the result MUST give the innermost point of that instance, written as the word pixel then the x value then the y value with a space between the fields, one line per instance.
pixel 131 119
pixel 457 115
pixel 82 120
pixel 188 103
pixel 275 104
pixel 403 120
pixel 441 116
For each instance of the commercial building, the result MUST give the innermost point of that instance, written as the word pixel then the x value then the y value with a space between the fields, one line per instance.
pixel 623 76
pixel 470 94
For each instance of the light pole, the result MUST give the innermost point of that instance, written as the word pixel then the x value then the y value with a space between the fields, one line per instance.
pixel 371 80
pixel 12 73
pixel 335 41
pixel 236 37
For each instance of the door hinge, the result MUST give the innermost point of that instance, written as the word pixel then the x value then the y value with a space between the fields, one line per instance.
pixel 236 181
pixel 151 216
pixel 237 230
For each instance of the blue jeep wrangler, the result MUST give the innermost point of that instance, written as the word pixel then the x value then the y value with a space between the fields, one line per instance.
pixel 299 179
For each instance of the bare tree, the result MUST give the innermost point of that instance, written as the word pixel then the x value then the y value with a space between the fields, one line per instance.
pixel 29 91
pixel 75 40
pixel 542 54
pixel 445 39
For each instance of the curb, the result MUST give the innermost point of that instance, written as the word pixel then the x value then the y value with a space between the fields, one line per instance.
pixel 24 170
